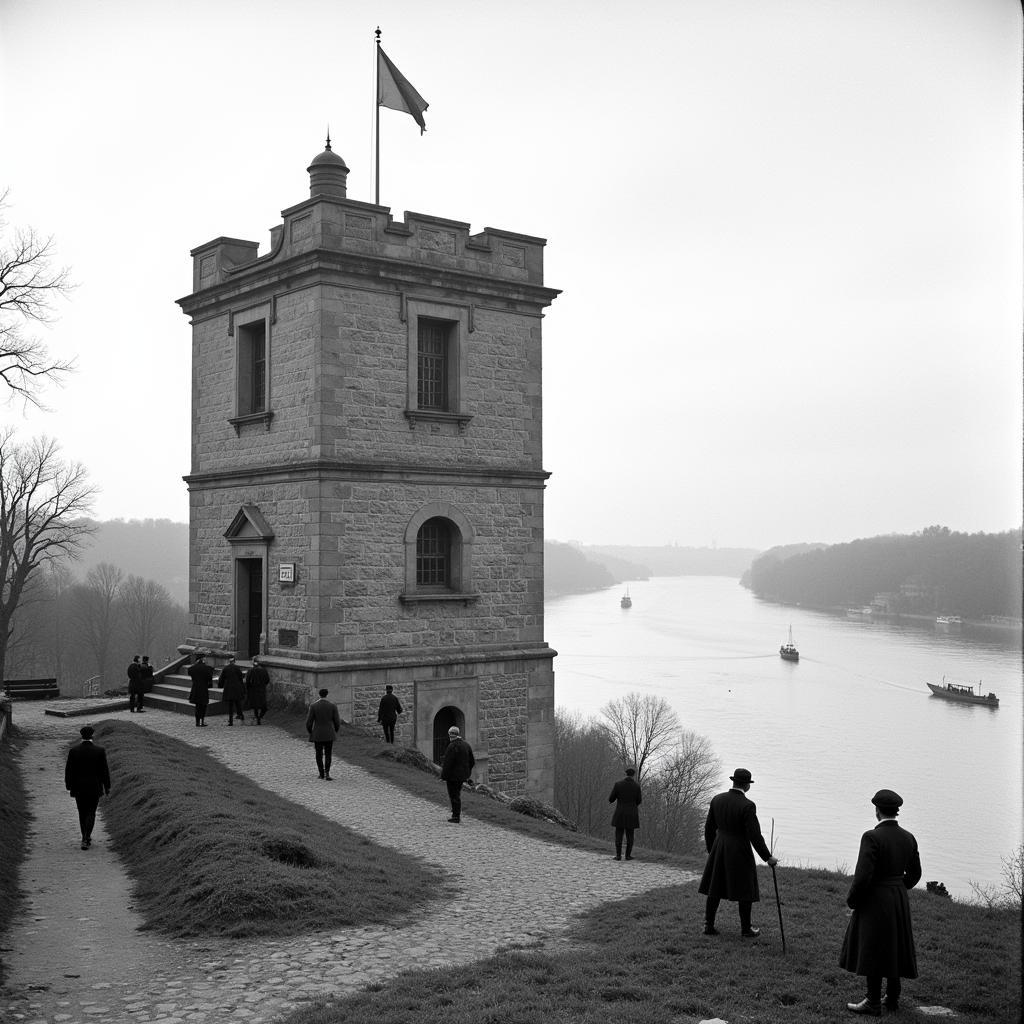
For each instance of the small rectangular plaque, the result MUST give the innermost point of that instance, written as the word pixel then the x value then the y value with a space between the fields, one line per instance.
pixel 286 572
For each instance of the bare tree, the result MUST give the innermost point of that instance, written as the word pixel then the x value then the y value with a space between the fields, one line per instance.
pixel 29 284
pixel 1007 894
pixel 146 605
pixel 97 609
pixel 679 793
pixel 43 504
pixel 641 728
pixel 584 761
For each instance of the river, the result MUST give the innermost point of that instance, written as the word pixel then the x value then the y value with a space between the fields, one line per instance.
pixel 822 735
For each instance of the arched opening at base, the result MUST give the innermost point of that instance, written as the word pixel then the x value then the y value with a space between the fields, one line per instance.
pixel 443 721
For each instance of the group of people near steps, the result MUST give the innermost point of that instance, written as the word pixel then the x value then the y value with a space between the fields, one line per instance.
pixel 879 940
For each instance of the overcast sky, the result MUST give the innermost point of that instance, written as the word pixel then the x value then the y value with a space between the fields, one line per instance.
pixel 788 233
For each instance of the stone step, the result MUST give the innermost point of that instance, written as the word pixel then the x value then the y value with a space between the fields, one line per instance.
pixel 170 693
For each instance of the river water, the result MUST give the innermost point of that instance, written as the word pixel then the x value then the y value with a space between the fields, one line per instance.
pixel 822 735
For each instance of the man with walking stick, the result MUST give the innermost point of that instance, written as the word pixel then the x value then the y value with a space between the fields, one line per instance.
pixel 731 830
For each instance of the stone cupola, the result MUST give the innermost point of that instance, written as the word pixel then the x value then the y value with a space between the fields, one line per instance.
pixel 328 174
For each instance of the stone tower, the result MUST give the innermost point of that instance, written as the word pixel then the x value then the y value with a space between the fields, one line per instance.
pixel 366 490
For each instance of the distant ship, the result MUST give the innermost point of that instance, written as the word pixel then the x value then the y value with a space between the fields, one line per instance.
pixel 627 601
pixel 859 613
pixel 963 693
pixel 949 621
pixel 788 651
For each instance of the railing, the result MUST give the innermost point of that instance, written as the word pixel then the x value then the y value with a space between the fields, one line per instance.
pixel 91 687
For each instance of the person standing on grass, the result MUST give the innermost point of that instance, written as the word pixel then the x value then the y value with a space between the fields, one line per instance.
pixel 627 797
pixel 323 723
pixel 257 680
pixel 202 679
pixel 145 680
pixel 731 830
pixel 388 712
pixel 134 683
pixel 233 685
pixel 86 778
pixel 879 940
pixel 456 768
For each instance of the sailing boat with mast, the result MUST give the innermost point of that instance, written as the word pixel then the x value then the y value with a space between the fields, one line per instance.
pixel 788 651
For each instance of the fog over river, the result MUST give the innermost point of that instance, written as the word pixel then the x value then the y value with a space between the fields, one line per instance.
pixel 822 735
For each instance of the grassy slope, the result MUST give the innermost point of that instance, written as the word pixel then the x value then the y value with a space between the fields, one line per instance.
pixel 14 824
pixel 646 959
pixel 211 853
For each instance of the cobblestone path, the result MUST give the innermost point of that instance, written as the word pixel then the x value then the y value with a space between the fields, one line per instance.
pixel 76 954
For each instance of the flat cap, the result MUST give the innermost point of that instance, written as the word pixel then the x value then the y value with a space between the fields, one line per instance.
pixel 887 798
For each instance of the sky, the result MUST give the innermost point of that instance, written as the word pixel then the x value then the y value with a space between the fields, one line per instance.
pixel 788 234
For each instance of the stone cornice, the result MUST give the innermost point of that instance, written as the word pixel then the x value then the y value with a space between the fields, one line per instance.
pixel 327 469
pixel 327 266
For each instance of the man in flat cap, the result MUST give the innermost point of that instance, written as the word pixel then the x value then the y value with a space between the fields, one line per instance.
pixel 627 797
pixel 456 768
pixel 730 831
pixel 86 778
pixel 879 941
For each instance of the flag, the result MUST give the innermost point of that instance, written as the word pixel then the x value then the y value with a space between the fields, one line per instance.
pixel 394 90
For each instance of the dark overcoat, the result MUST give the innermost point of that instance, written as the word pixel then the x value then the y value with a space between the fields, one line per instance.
pixel 879 939
pixel 86 773
pixel 458 761
pixel 135 678
pixel 627 797
pixel 731 834
pixel 323 721
pixel 232 683
pixel 145 677
pixel 202 680
pixel 389 710
pixel 257 679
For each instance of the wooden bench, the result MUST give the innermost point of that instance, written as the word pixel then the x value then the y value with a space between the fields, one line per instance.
pixel 31 689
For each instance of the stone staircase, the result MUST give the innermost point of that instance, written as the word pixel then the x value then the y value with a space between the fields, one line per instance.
pixel 171 688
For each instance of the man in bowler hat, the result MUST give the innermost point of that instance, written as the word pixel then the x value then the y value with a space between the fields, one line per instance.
pixel 627 797
pixel 86 778
pixel 730 833
pixel 879 941
pixel 323 723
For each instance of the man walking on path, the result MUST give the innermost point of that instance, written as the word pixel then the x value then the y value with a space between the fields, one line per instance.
pixel 202 679
pixel 627 797
pixel 233 685
pixel 322 724
pixel 134 684
pixel 86 778
pixel 730 831
pixel 456 768
pixel 257 680
pixel 388 712
pixel 879 941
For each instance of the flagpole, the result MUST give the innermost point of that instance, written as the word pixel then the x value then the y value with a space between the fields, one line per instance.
pixel 376 133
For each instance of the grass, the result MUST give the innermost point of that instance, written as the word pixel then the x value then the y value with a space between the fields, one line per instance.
pixel 646 959
pixel 213 854
pixel 14 825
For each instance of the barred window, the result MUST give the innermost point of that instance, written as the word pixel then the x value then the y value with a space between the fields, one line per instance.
pixel 433 337
pixel 252 368
pixel 434 554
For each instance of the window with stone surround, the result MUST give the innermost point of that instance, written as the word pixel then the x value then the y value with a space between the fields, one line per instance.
pixel 439 546
pixel 437 356
pixel 252 378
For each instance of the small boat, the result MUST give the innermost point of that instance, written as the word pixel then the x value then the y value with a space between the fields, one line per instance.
pixel 963 693
pixel 949 621
pixel 627 601
pixel 860 613
pixel 788 651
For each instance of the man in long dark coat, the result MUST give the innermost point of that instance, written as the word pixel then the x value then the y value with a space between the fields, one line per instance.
pixel 257 680
pixel 879 941
pixel 202 679
pixel 387 713
pixel 145 680
pixel 731 830
pixel 627 797
pixel 323 722
pixel 456 768
pixel 233 684
pixel 134 684
pixel 86 778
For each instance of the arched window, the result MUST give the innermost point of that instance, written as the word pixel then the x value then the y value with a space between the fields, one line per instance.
pixel 434 554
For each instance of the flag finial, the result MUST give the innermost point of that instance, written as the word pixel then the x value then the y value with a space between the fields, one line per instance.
pixel 377 34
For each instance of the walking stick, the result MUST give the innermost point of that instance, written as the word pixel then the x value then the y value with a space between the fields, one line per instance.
pixel 778 901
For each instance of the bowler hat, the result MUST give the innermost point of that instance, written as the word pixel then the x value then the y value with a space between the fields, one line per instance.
pixel 742 777
pixel 887 798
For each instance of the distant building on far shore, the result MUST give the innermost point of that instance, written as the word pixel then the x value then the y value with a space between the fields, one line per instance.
pixel 367 489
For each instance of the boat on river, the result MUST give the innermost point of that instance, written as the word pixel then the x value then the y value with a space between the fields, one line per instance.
pixel 963 693
pixel 627 601
pixel 788 651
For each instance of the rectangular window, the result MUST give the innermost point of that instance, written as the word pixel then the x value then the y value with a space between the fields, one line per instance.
pixel 252 368
pixel 432 391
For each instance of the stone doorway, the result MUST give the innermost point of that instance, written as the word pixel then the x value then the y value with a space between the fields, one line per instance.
pixel 248 605
pixel 443 721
